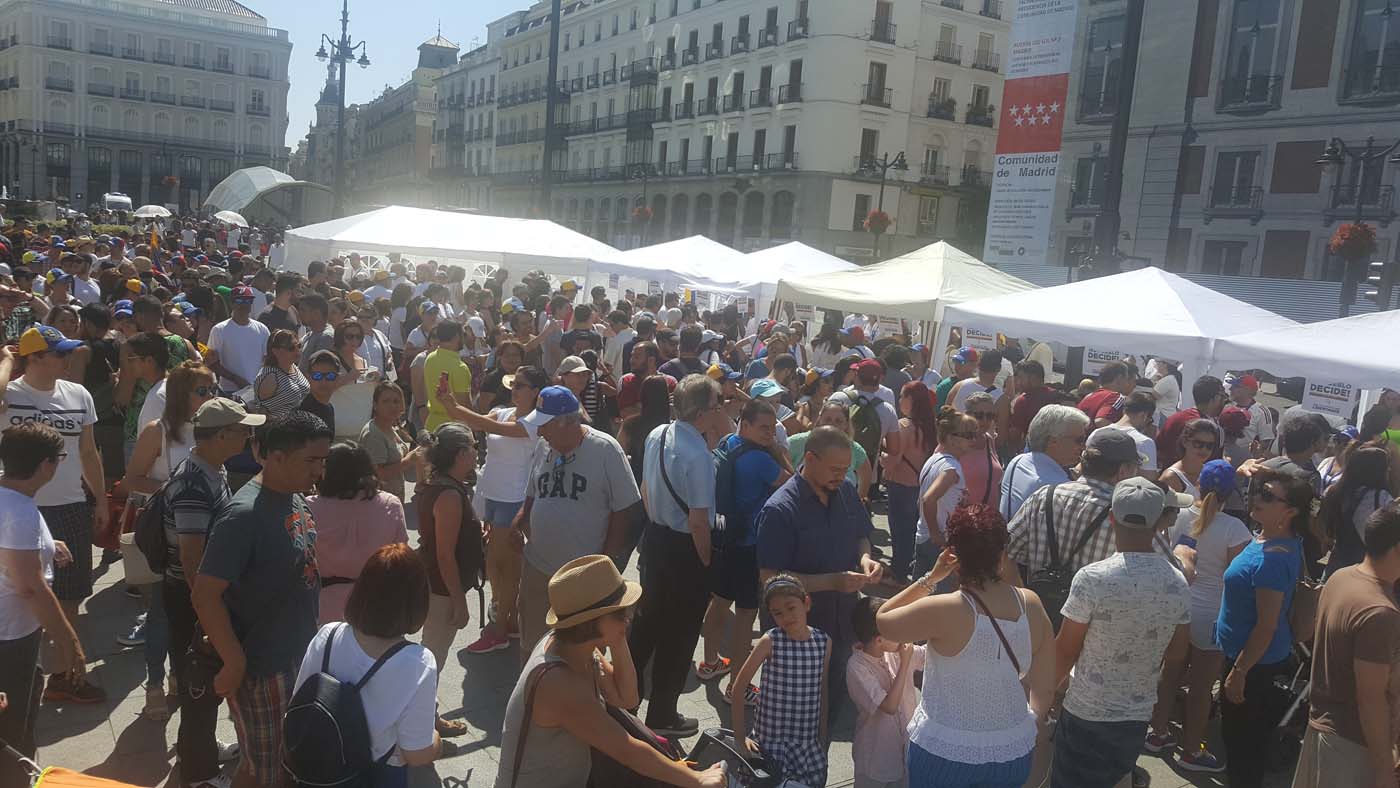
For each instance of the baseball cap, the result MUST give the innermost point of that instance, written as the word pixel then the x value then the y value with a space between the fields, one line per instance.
pixel 427 307
pixel 187 309
pixel 1241 381
pixel 243 295
pixel 1115 445
pixel 854 332
pixel 571 364
pixel 554 401
pixel 965 355
pixel 355 297
pixel 869 370
pixel 135 286
pixel 1138 503
pixel 29 257
pixel 57 276
pixel 815 374
pixel 1217 476
pixel 708 336
pixel 1233 419
pixel 569 284
pixel 512 304
pixel 1348 433
pixel 723 372
pixel 221 412
pixel 765 387
pixel 41 338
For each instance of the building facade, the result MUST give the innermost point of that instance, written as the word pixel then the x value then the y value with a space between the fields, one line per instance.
pixel 159 99
pixel 1222 174
pixel 753 122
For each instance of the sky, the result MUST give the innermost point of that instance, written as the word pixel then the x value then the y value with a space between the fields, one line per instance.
pixel 393 31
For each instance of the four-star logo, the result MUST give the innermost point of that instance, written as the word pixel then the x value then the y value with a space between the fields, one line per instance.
pixel 1033 114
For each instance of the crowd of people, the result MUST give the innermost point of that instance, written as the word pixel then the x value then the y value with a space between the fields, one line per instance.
pixel 1059 558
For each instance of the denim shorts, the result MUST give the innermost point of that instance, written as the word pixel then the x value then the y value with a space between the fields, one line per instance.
pixel 500 514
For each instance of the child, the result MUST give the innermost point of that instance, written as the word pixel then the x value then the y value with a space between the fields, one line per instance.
pixel 790 726
pixel 879 677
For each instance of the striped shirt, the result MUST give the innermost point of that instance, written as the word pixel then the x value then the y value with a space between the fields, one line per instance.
pixel 194 495
pixel 1076 506
pixel 291 390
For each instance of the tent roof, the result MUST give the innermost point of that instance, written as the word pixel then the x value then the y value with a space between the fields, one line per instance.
pixel 242 187
pixel 915 286
pixel 696 262
pixel 1357 350
pixel 793 260
pixel 1148 308
pixel 421 232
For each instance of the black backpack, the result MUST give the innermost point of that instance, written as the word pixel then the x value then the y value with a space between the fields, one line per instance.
pixel 149 528
pixel 1051 583
pixel 325 734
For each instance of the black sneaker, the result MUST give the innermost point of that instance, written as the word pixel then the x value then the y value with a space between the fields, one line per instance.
pixel 682 727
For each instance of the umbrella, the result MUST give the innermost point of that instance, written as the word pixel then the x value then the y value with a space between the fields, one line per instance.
pixel 152 212
pixel 231 217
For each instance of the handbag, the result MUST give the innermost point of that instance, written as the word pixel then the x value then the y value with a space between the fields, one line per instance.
pixel 1052 582
pixel 1307 595
pixel 1005 644
pixel 202 664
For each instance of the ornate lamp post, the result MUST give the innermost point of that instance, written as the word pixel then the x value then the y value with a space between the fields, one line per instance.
pixel 342 51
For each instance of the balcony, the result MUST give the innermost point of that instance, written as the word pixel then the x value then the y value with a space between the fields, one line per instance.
pixel 221 105
pixel 974 178
pixel 714 50
pixel 260 110
pixel 1255 93
pixel 798 29
pixel 133 94
pixel 164 58
pixel 157 97
pixel 690 57
pixel 591 81
pixel 707 106
pixel 991 8
pixel 100 49
pixel 193 102
pixel 133 54
pixel 692 167
pixel 942 108
pixel 1372 84
pixel 259 72
pixel 663 114
pixel 768 36
pixel 59 42
pixel 780 161
pixel 1377 203
pixel 1235 202
pixel 790 93
pixel 101 89
pixel 194 62
pixel 668 61
pixel 1097 107
pixel 1084 198
pixel 642 70
pixel 222 66
pixel 948 52
pixel 685 110
pixel 876 95
pixel 58 83
pixel 734 102
pixel 981 116
pixel 933 175
pixel 882 30
pixel 760 97
pixel 954 4
pixel 986 60
pixel 739 44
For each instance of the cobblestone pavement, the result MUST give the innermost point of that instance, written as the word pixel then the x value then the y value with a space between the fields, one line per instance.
pixel 112 740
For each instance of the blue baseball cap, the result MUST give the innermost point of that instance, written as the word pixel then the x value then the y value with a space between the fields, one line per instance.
pixel 765 387
pixel 57 276
pixel 46 338
pixel 554 401
pixel 1217 476
pixel 965 355
pixel 187 309
pixel 723 372
pixel 1348 433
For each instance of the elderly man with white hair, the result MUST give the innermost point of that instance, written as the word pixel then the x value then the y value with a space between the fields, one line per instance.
pixel 1055 441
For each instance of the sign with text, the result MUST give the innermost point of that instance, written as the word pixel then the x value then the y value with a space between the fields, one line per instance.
pixel 979 338
pixel 1096 357
pixel 1030 132
pixel 804 312
pixel 1332 399
pixel 890 326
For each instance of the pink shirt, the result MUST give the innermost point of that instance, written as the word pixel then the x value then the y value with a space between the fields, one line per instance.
pixel 903 467
pixel 982 474
pixel 347 534
pixel 882 740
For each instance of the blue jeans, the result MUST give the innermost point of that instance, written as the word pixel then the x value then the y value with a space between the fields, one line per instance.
pixel 157 636
pixel 1094 754
pixel 904 519
pixel 500 514
pixel 927 770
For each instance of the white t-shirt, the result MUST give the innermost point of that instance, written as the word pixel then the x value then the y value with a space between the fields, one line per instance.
pixel 395 332
pixel 1212 547
pixel 86 291
pixel 670 316
pixel 375 350
pixel 1261 425
pixel 1132 604
pixel 889 419
pixel 375 292
pixel 22 527
pixel 417 338
pixel 612 351
pixel 1145 445
pixel 241 349
pixel 506 475
pixel 153 408
pixel 400 700
pixel 68 408
pixel 261 301
pixel 932 469
pixel 187 237
pixel 1168 397
pixel 969 387
pixel 234 236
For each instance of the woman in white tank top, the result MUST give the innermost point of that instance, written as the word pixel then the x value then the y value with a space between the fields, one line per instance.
pixel 991 662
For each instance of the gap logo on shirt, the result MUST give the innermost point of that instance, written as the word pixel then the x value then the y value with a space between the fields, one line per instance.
pixel 551 484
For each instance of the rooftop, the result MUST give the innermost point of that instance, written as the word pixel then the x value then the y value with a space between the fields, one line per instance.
pixel 229 7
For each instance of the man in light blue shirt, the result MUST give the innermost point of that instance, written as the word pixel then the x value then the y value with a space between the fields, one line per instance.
pixel 678 473
pixel 1056 441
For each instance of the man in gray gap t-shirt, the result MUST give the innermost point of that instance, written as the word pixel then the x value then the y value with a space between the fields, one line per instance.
pixel 579 501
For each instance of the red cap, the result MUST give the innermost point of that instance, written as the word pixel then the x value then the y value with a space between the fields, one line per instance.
pixel 869 370
pixel 243 294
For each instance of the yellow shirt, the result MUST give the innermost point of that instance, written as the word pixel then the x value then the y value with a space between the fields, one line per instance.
pixel 459 376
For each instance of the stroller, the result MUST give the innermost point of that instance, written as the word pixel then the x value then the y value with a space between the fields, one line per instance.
pixel 1291 695
pixel 55 776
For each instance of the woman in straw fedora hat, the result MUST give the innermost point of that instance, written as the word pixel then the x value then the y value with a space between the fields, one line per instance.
pixel 555 717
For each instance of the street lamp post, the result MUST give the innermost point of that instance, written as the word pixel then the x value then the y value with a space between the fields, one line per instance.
pixel 34 169
pixel 342 51
pixel 642 171
pixel 1337 155
pixel 884 164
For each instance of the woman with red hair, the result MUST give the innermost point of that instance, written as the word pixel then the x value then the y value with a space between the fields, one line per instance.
pixel 918 437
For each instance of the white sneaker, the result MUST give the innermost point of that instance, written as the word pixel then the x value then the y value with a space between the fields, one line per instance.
pixel 228 752
pixel 220 781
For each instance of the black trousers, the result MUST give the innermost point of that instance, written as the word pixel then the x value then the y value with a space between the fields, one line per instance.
pixel 667 625
pixel 195 744
pixel 1247 728
pixel 22 683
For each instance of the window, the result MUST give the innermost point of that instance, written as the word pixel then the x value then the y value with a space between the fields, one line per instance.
pixel 1223 257
pixel 675 7
pixel 661 148
pixel 862 210
pixel 56 154
pixel 1234 178
pixel 789 143
pixel 869 145
pixel 942 89
pixel 1250 63
pixel 928 216
pixel 1375 50
pixel 760 146
pixel 877 80
pixel 568 37
pixel 615 22
pixel 1098 95
pixel 632 24
pixel 257 97
pixel 981 94
pixel 1088 182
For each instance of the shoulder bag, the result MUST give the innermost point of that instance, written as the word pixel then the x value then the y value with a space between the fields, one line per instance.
pixel 1005 644
pixel 665 477
pixel 1051 583
pixel 1307 594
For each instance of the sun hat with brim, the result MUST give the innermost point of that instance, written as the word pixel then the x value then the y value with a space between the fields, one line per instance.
pixel 222 412
pixel 588 588
pixel 45 338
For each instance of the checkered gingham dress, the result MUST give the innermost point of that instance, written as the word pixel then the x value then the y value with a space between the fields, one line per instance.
pixel 788 723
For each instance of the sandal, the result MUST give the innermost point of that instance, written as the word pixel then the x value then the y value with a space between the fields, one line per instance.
pixel 157 708
pixel 447 728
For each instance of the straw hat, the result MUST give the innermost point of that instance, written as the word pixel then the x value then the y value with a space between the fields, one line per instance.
pixel 587 588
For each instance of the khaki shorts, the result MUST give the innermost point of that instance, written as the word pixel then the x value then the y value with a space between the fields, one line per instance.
pixel 534 603
pixel 1332 761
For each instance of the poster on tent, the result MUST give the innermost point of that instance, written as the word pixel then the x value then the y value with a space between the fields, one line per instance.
pixel 1330 399
pixel 1027 161
pixel 1096 357
pixel 889 327
pixel 979 338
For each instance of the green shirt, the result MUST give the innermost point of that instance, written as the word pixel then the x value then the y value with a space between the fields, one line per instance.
pixel 944 388
pixel 131 424
pixel 797 446
pixel 459 376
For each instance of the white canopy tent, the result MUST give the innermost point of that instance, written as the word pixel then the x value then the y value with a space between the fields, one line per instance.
pixel 1144 311
pixel 695 263
pixel 1357 350
pixel 476 242
pixel 790 261
pixel 915 286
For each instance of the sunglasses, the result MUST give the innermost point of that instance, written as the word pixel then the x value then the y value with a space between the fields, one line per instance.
pixel 206 391
pixel 985 415
pixel 331 376
pixel 1201 445
pixel 1265 495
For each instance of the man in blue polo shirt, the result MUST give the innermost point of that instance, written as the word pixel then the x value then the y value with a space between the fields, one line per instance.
pixel 816 528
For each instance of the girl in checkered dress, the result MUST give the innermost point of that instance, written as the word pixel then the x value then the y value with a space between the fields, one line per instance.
pixel 790 727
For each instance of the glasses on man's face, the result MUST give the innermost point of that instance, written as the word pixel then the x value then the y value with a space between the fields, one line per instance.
pixel 327 376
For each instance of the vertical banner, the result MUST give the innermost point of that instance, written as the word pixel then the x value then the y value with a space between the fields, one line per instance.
pixel 1332 399
pixel 979 338
pixel 1029 132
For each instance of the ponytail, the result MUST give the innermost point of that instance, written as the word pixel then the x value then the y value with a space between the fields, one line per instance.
pixel 1210 507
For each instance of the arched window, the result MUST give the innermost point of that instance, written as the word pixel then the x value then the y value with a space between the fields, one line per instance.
pixel 162 124
pixel 680 214
pixel 101 116
pixel 131 120
pixel 780 222
pixel 753 215
pixel 704 210
pixel 192 128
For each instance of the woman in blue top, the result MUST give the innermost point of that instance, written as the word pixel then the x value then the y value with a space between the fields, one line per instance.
pixel 1253 628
